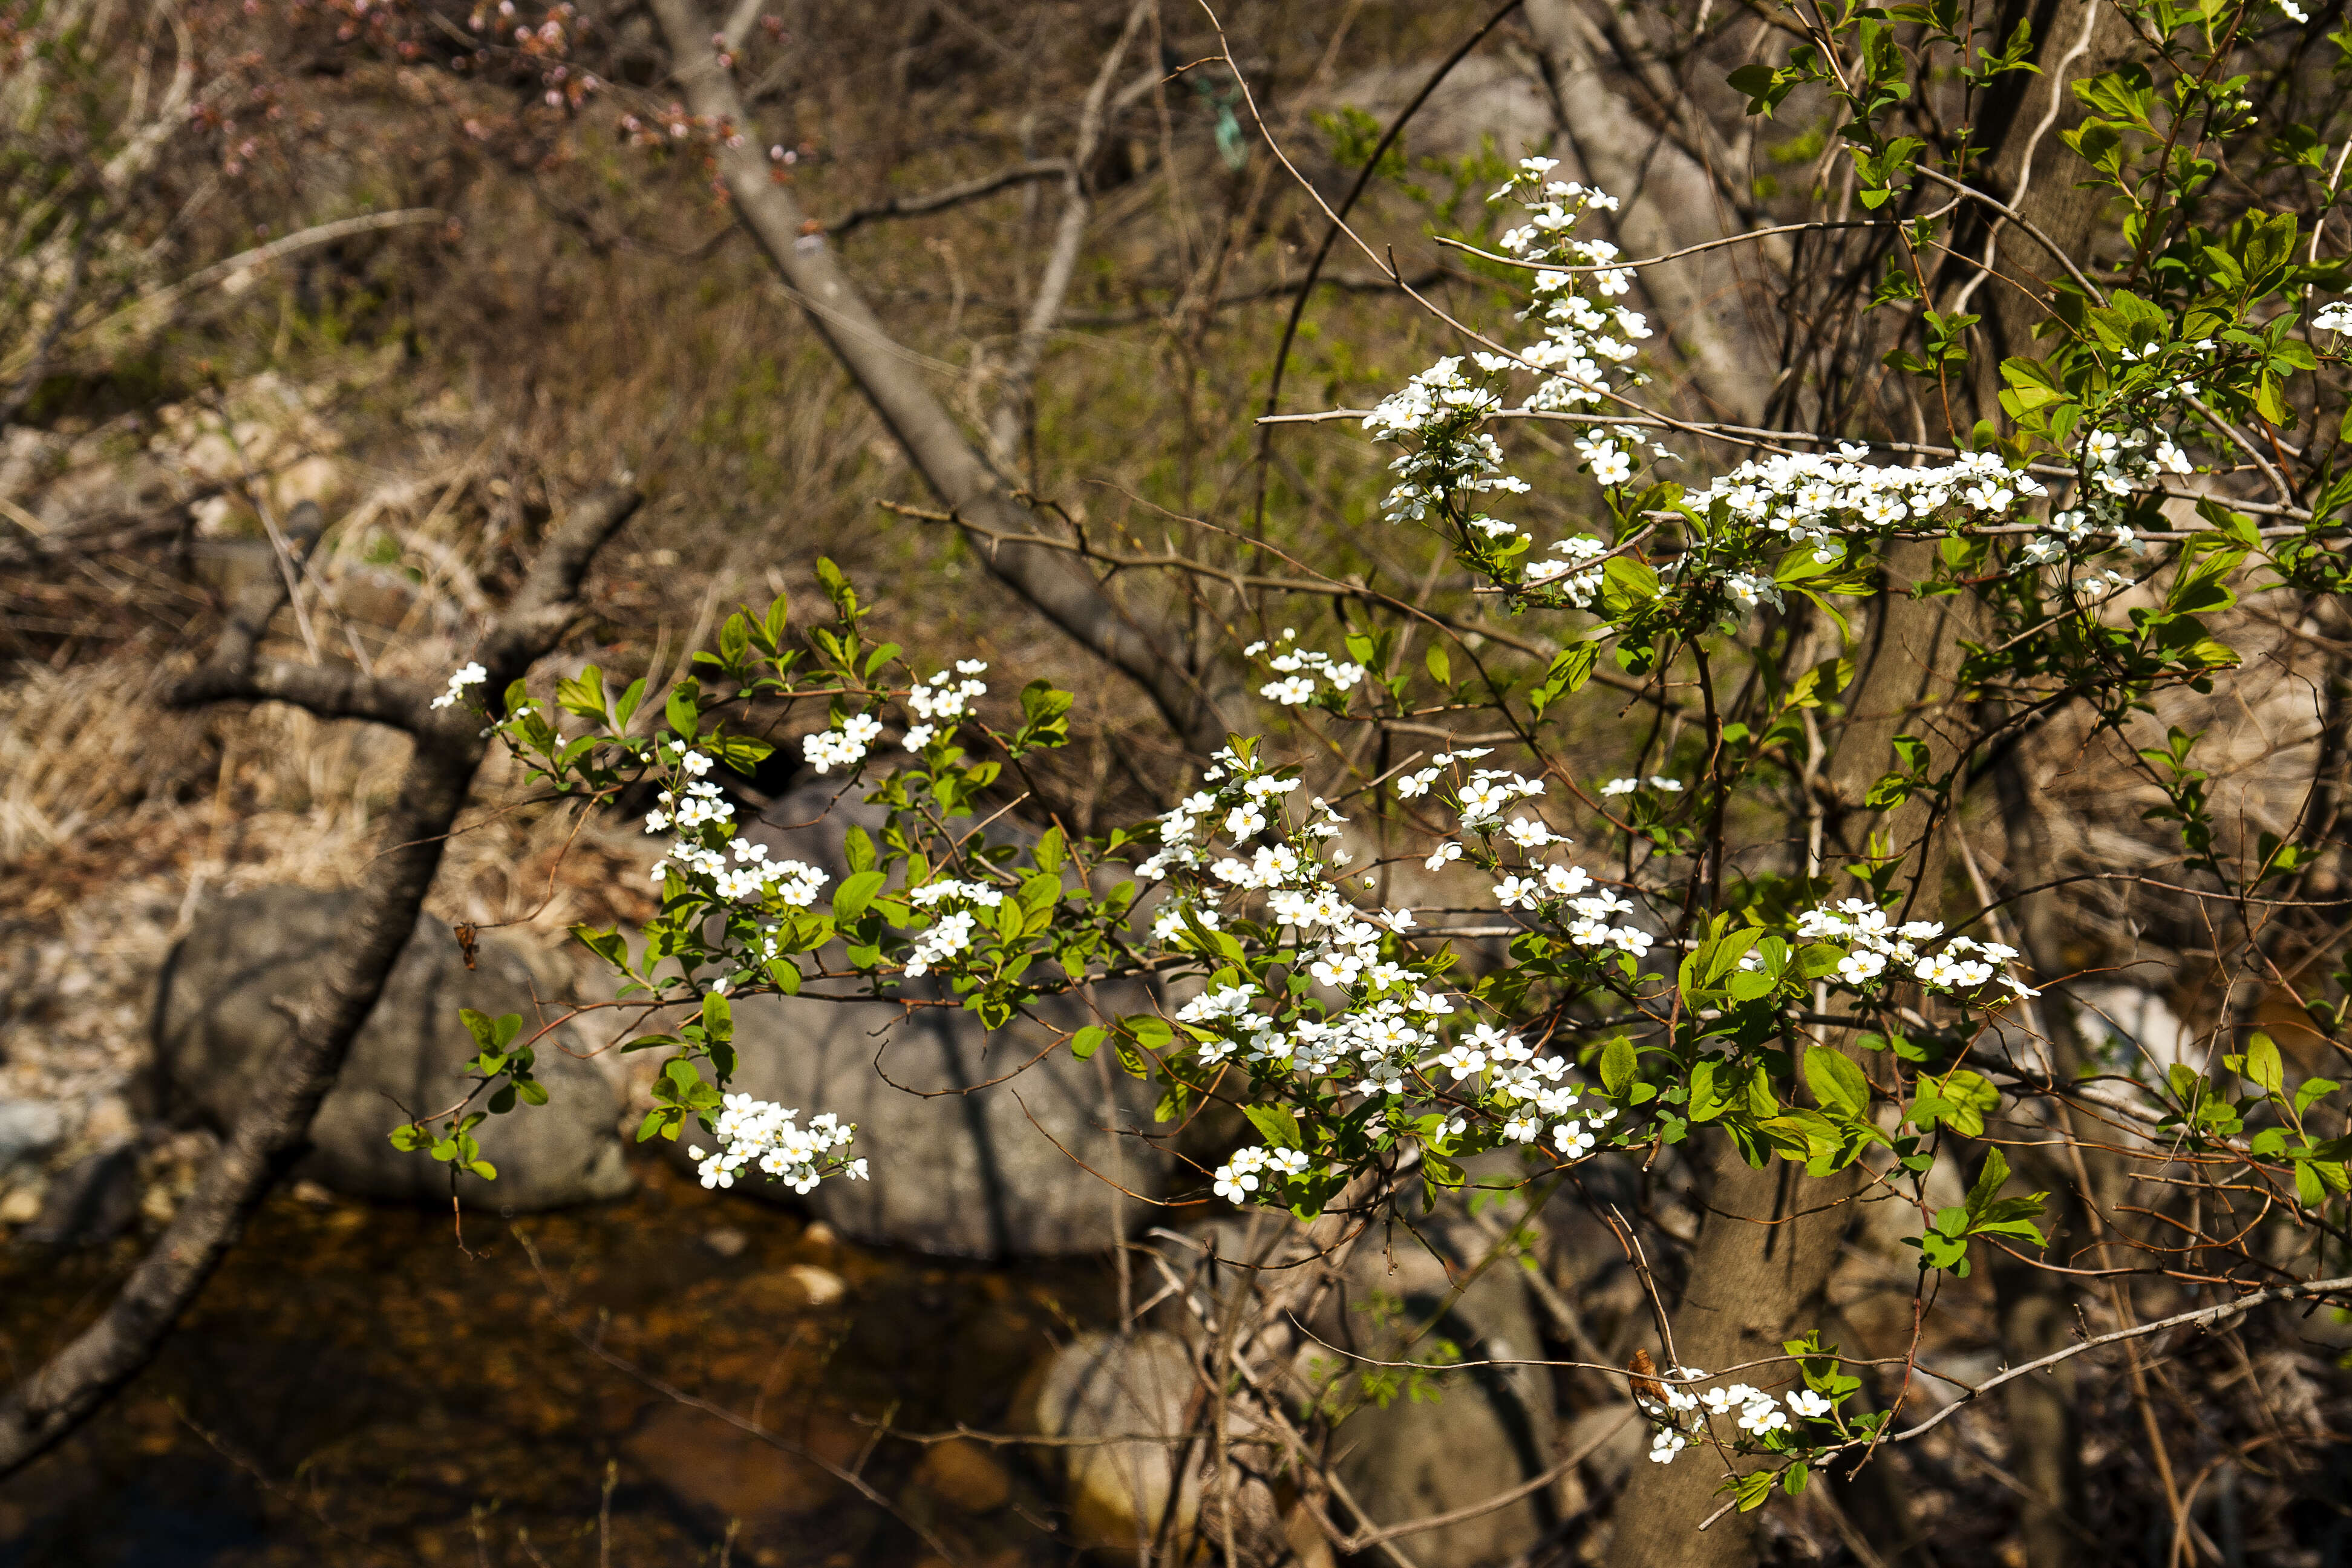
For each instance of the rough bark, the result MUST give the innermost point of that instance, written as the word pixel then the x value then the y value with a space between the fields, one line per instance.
pixel 64 1391
pixel 1766 1247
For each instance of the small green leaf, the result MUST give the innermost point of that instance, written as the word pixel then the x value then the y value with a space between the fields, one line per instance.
pixel 1440 669
pixel 857 891
pixel 1837 1082
pixel 1275 1124
pixel 2264 1067
pixel 1617 1065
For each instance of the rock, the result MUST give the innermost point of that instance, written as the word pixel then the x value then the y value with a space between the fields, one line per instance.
pixel 1117 1493
pixel 1101 1385
pixel 1442 1441
pixel 218 1023
pixel 726 1241
pixel 28 1129
pixel 723 1472
pixel 969 1174
pixel 822 1287
pixel 1483 95
pixel 964 1476
pixel 1488 1429
pixel 22 1205
pixel 93 1199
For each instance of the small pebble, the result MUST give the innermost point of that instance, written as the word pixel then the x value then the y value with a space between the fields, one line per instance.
pixel 726 1241
pixel 823 1285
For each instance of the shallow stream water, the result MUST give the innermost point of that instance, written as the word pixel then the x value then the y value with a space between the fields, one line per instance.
pixel 355 1387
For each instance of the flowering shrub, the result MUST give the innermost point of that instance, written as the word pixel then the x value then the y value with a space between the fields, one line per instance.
pixel 1683 951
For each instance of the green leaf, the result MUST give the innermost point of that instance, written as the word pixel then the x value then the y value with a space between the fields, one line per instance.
pixel 1087 1041
pixel 1148 1029
pixel 857 891
pixel 1440 669
pixel 1837 1082
pixel 718 1018
pixel 1050 849
pixel 584 696
pixel 1617 1065
pixel 2263 1067
pixel 682 710
pixel 2311 1090
pixel 1990 1182
pixel 1714 1089
pixel 857 849
pixel 1275 1124
pixel 627 708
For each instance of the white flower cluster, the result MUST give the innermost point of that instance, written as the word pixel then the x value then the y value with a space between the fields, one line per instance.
pixel 948 933
pixel 1298 667
pixel 1388 1032
pixel 844 747
pixel 1616 787
pixel 1823 498
pixel 1238 1177
pixel 1489 792
pixel 1442 408
pixel 763 1134
pixel 940 697
pixel 1878 945
pixel 2115 464
pixel 1679 1419
pixel 1579 587
pixel 471 675
pixel 2335 318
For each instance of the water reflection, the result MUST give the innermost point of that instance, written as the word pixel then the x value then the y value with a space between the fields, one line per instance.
pixel 354 1388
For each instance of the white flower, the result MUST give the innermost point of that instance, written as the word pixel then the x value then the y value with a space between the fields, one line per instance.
pixel 1530 833
pixel 1462 1059
pixel 1615 788
pixel 471 675
pixel 1573 1139
pixel 770 1138
pixel 1856 968
pixel 1566 881
pixel 844 747
pixel 920 736
pixel 1808 1405
pixel 1339 969
pixel 1290 692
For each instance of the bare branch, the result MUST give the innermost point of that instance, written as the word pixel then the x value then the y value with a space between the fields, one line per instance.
pixel 1154 656
pixel 270 1133
pixel 1062 262
pixel 951 195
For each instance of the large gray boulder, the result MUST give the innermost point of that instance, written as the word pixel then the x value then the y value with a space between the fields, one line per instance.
pixel 1488 1428
pixel 959 1163
pixel 220 1016
pixel 1410 1444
